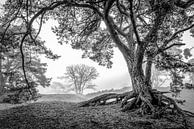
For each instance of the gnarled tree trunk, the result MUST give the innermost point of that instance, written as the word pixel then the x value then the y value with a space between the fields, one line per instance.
pixel 139 80
pixel 133 54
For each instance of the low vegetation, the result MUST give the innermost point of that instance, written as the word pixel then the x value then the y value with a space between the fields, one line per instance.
pixel 62 115
pixel 58 112
pixel 62 97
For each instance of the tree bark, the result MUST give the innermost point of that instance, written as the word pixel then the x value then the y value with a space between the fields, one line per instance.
pixel 138 79
pixel 135 70
pixel 148 71
pixel 1 77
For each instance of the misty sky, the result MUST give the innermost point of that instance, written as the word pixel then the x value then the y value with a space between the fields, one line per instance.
pixel 116 77
pixel 107 78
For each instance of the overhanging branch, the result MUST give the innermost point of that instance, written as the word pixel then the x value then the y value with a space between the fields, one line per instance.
pixel 23 59
pixel 107 7
pixel 134 23
pixel 184 4
pixel 42 12
pixel 178 32
pixel 120 8
pixel 172 45
pixel 122 47
pixel 175 35
pixel 118 29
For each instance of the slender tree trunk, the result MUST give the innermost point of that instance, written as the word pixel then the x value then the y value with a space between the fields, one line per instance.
pixel 148 71
pixel 1 77
pixel 82 88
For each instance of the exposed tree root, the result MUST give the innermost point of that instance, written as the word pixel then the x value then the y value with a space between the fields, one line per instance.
pixel 103 99
pixel 156 106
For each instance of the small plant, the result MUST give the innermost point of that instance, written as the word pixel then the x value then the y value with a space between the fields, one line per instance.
pixel 21 95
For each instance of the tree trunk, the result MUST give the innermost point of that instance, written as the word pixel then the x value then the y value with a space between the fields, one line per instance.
pixel 138 79
pixel 148 71
pixel 135 70
pixel 134 58
pixel 1 77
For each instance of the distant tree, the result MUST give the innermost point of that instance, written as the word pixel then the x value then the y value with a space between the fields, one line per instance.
pixel 80 77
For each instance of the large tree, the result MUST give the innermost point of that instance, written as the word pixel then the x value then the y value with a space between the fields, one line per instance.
pixel 143 30
pixel 80 77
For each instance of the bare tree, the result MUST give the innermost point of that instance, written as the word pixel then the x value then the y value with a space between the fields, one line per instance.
pixel 80 77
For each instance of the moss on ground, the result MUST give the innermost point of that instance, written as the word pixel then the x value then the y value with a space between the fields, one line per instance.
pixel 62 115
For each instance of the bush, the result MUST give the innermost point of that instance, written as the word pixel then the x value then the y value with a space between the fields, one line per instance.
pixel 10 98
pixel 17 96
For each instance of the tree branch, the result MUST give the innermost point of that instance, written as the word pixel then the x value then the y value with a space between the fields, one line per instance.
pixel 9 24
pixel 23 60
pixel 118 29
pixel 95 2
pixel 39 29
pixel 184 4
pixel 122 47
pixel 42 12
pixel 86 6
pixel 107 7
pixel 172 45
pixel 119 6
pixel 175 35
pixel 133 22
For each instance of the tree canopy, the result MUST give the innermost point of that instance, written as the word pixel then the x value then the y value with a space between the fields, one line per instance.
pixel 94 26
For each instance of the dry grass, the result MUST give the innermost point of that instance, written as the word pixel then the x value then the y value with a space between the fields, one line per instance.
pixel 62 115
pixel 62 97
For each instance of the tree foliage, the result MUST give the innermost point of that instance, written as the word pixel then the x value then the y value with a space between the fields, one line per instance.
pixel 80 77
pixel 12 65
pixel 187 52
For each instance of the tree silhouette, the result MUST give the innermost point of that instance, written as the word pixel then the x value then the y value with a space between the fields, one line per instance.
pixel 80 77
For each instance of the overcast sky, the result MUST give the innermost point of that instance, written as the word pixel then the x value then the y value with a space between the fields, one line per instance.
pixel 70 56
pixel 116 77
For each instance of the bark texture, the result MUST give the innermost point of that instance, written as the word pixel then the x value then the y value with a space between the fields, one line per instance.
pixel 1 77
